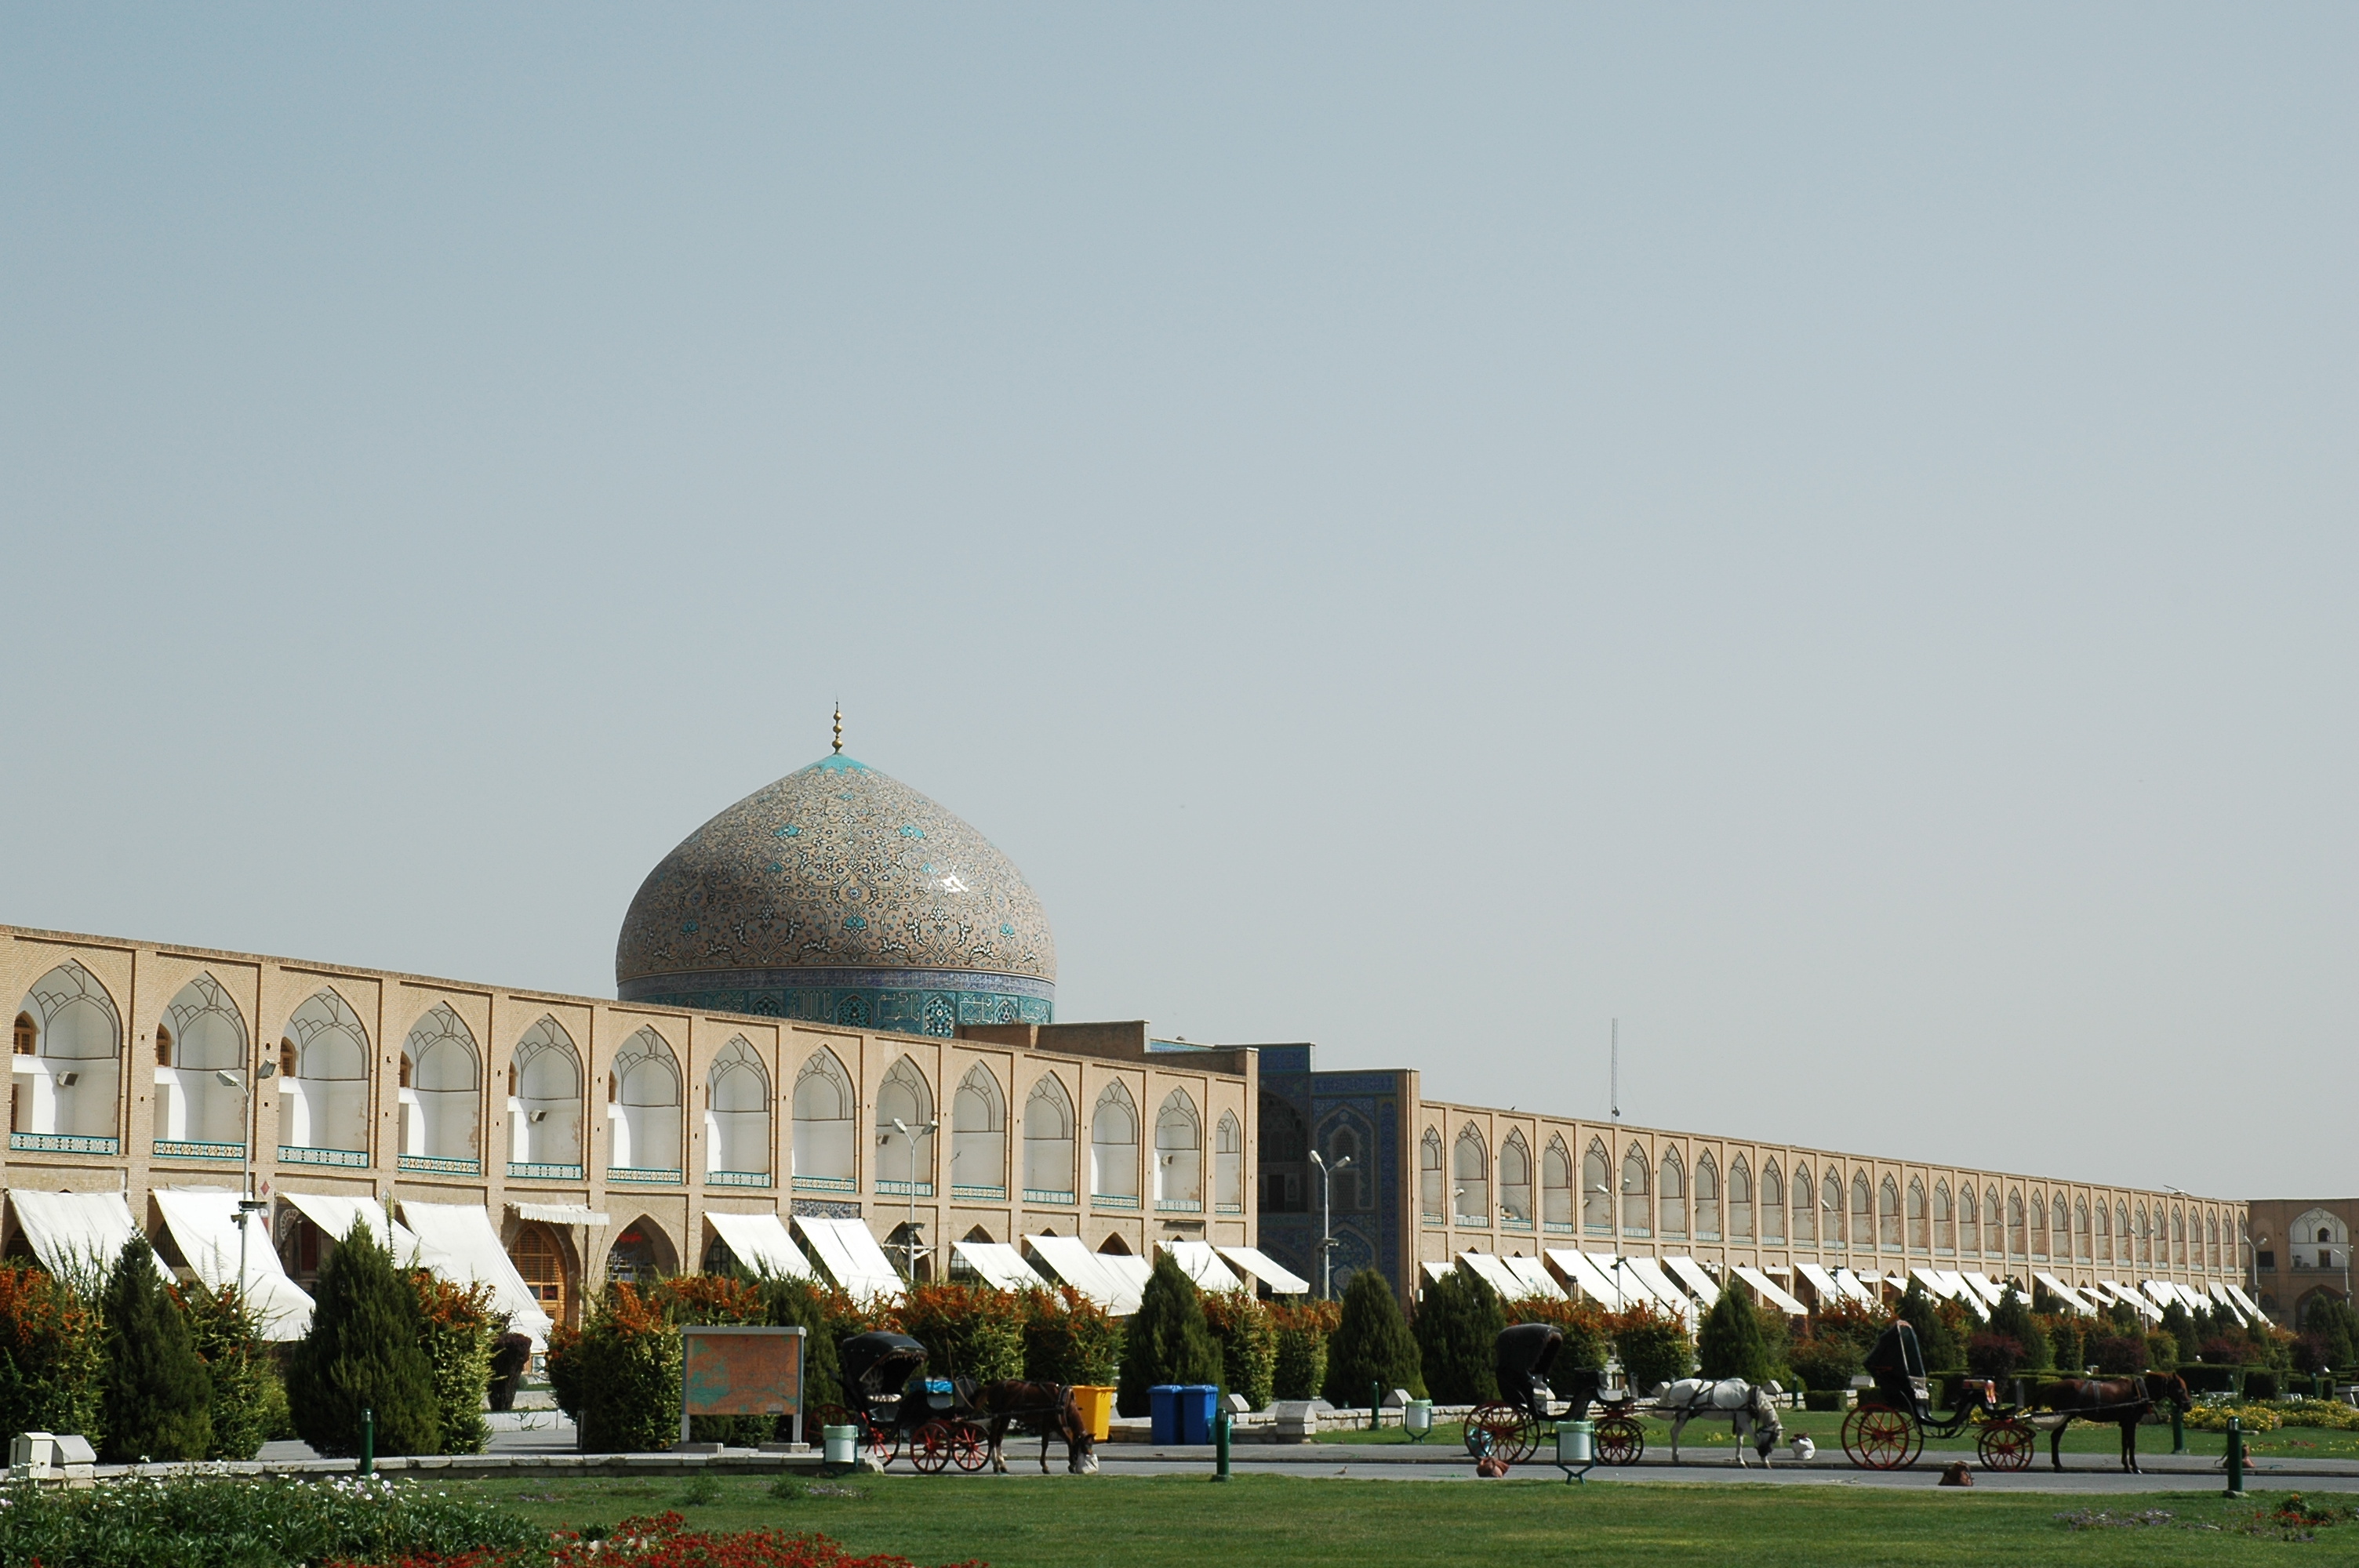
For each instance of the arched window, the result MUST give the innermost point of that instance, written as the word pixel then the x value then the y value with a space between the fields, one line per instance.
pixel 823 1154
pixel 67 1066
pixel 2081 1247
pixel 1637 1191
pixel 1178 1154
pixel 905 1159
pixel 1429 1194
pixel 545 1100
pixel 1345 1189
pixel 1516 1179
pixel 1773 1204
pixel 208 1043
pixel 2211 1240
pixel 1920 1235
pixel 1113 1145
pixel 1806 1208
pixel 1888 1215
pixel 979 1136
pixel 1556 1186
pixel 1470 1172
pixel 1970 1220
pixel 1229 1164
pixel 1707 1198
pixel 1049 1143
pixel 2059 1228
pixel 1862 1212
pixel 539 1256
pixel 323 1102
pixel 1740 1201
pixel 1671 1200
pixel 2121 1232
pixel 1945 1219
pixel 1286 1178
pixel 2144 1237
pixel 443 1087
pixel 1596 1190
pixel 737 1116
pixel 2018 1237
pixel 642 1107
pixel 2104 1222
pixel 2178 1238
pixel 1831 1208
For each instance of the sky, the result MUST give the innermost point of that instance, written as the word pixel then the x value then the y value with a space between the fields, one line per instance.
pixel 1823 533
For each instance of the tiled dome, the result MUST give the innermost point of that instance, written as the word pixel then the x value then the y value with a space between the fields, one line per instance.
pixel 840 894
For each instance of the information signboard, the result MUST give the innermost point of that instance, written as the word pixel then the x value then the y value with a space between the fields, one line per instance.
pixel 731 1371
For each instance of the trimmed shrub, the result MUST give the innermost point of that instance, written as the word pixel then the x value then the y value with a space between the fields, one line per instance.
pixel 1372 1345
pixel 51 1353
pixel 457 1329
pixel 1068 1338
pixel 618 1375
pixel 1167 1341
pixel 1993 1354
pixel 364 1352
pixel 1458 1325
pixel 969 1331
pixel 1825 1363
pixel 1247 1335
pixel 2067 1344
pixel 1303 1330
pixel 2012 1319
pixel 2163 1351
pixel 248 1396
pixel 2334 1326
pixel 1729 1344
pixel 813 1308
pixel 2261 1383
pixel 2117 1355
pixel 156 1396
pixel 1654 1346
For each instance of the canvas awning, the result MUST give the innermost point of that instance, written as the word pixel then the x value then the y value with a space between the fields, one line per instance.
pixel 1859 1289
pixel 1533 1278
pixel 1699 1284
pixel 760 1242
pixel 1823 1283
pixel 2115 1291
pixel 1593 1273
pixel 1492 1272
pixel 2246 1302
pixel 1964 1293
pixel 1983 1286
pixel 1001 1266
pixel 205 1226
pixel 1200 1263
pixel 851 1256
pixel 562 1213
pixel 76 1236
pixel 1070 1258
pixel 2071 1298
pixel 1649 1273
pixel 1771 1292
pixel 471 1254
pixel 2222 1299
pixel 336 1214
pixel 1134 1272
pixel 1281 1279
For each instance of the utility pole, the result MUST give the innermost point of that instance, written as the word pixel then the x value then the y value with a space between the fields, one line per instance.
pixel 1327 1222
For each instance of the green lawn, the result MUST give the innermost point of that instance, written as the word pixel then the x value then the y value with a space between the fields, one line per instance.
pixel 1065 1521
pixel 1825 1428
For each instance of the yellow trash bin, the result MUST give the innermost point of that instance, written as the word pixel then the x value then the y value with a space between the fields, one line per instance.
pixel 1097 1409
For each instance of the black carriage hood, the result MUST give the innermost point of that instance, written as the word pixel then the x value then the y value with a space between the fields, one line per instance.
pixel 864 1355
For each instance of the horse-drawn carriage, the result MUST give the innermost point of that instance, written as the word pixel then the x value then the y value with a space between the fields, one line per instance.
pixel 889 1401
pixel 1887 1429
pixel 1509 1428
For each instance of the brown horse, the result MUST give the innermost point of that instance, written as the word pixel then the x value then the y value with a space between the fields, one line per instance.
pixel 2125 1401
pixel 1049 1407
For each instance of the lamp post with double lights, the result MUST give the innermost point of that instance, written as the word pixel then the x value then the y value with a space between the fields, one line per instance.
pixel 910 1248
pixel 248 1205
pixel 1327 1222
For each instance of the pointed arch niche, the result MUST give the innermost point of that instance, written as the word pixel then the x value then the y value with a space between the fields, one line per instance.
pixel 323 1085
pixel 737 1117
pixel 441 1096
pixel 1049 1143
pixel 201 1068
pixel 979 1136
pixel 823 1153
pixel 643 1111
pixel 544 1103
pixel 66 1074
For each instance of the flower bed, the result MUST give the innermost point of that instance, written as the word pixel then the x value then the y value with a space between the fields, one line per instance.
pixel 187 1523
pixel 662 1542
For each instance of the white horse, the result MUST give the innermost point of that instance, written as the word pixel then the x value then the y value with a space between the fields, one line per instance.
pixel 1752 1412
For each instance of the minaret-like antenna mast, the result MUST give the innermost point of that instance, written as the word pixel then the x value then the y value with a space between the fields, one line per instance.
pixel 838 727
pixel 1613 1074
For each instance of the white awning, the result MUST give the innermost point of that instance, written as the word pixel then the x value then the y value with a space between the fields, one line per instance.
pixel 1200 1263
pixel 336 1214
pixel 2246 1302
pixel 1932 1282
pixel 1991 1292
pixel 561 1213
pixel 1281 1279
pixel 760 1242
pixel 205 1224
pixel 999 1264
pixel 1823 1283
pixel 76 1236
pixel 1134 1272
pixel 1771 1292
pixel 2071 1298
pixel 1859 1289
pixel 1593 1273
pixel 471 1254
pixel 1492 1272
pixel 1532 1278
pixel 2135 1300
pixel 849 1253
pixel 1691 1274
pixel 2157 1291
pixel 1649 1273
pixel 1964 1293
pixel 2221 1298
pixel 1070 1258
pixel 1436 1273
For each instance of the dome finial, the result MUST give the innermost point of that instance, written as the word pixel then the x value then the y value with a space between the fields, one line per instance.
pixel 838 727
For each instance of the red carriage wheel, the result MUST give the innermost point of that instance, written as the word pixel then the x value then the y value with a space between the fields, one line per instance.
pixel 882 1442
pixel 2006 1445
pixel 1878 1437
pixel 970 1446
pixel 1508 1435
pixel 930 1448
pixel 1620 1440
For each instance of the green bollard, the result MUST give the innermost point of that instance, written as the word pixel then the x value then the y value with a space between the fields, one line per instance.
pixel 1221 1447
pixel 2235 1457
pixel 2177 1429
pixel 368 1440
pixel 1375 1404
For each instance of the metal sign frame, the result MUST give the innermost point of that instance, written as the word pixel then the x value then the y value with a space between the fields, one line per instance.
pixel 793 1409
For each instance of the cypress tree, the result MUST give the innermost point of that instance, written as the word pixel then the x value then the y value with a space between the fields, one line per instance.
pixel 1458 1326
pixel 155 1397
pixel 2013 1318
pixel 1168 1340
pixel 1729 1344
pixel 364 1351
pixel 1920 1311
pixel 1372 1345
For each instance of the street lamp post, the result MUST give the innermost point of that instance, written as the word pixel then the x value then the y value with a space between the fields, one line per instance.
pixel 1327 1222
pixel 909 1230
pixel 248 1205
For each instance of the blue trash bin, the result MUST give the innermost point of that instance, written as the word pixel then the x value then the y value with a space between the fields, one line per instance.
pixel 1197 1401
pixel 1163 1412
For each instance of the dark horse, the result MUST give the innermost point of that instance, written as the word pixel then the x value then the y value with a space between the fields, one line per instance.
pixel 1051 1408
pixel 2125 1401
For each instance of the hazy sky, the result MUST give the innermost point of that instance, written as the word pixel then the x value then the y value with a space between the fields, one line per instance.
pixel 1825 533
